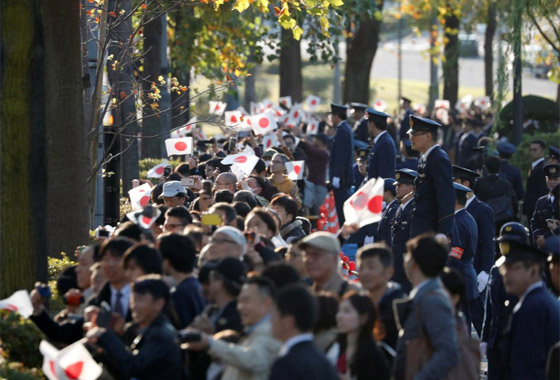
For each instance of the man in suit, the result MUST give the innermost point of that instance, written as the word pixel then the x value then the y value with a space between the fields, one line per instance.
pixel 155 352
pixel 391 205
pixel 428 308
pixel 509 172
pixel 434 196
pixel 469 140
pixel 536 184
pixel 360 122
pixel 293 316
pixel 405 106
pixel 400 228
pixel 383 154
pixel 535 322
pixel 408 155
pixel 545 207
pixel 341 159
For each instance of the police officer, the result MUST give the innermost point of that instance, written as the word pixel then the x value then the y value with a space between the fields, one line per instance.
pixel 553 155
pixel 341 159
pixel 552 246
pixel 409 157
pixel 498 309
pixel 462 252
pixel 405 105
pixel 509 172
pixel 535 322
pixel 469 140
pixel 360 124
pixel 434 195
pixel 536 184
pixel 400 228
pixel 360 168
pixel 383 154
pixel 545 207
pixel 392 203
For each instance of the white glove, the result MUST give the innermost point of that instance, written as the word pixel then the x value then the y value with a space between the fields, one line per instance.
pixel 483 346
pixel 482 281
pixel 336 182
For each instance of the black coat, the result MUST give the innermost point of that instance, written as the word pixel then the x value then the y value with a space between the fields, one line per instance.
pixel 68 331
pixel 544 210
pixel 484 218
pixel 492 187
pixel 384 227
pixel 400 234
pixel 105 295
pixel 304 361
pixel 536 188
pixel 513 175
pixel 382 158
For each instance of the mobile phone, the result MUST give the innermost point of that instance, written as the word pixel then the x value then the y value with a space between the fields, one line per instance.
pixel 211 220
pixel 135 183
pixel 167 171
pixel 187 182
pixel 104 315
pixel 102 233
pixel 242 134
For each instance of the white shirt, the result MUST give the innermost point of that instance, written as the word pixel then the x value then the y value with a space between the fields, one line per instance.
pixel 403 205
pixel 456 211
pixel 425 155
pixel 536 285
pixel 378 136
pixel 125 298
pixel 293 341
pixel 417 288
pixel 535 163
pixel 469 201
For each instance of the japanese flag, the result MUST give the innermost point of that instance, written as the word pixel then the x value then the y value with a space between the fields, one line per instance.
pixel 313 127
pixel 180 146
pixel 263 123
pixel 140 196
pixel 72 362
pixel 295 169
pixel 233 118
pixel 312 102
pixel 380 105
pixel 245 164
pixel 217 108
pixel 185 129
pixel 286 101
pixel 255 108
pixel 269 141
pixel 366 204
pixel 278 113
pixel 239 158
pixel 464 103
pixel 157 171
pixel 200 135
pixel 18 302
pixel 266 104
pixel 143 220
pixel 442 103
pixel 483 103
pixel 294 117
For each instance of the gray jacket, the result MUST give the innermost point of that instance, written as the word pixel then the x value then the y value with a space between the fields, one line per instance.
pixel 438 322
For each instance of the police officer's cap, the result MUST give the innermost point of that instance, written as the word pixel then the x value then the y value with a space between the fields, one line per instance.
pixel 513 230
pixel 363 154
pixel 514 250
pixel 358 106
pixel 339 109
pixel 506 148
pixel 552 246
pixel 404 99
pixel 556 191
pixel 552 170
pixel 554 152
pixel 359 144
pixel 376 116
pixel 389 185
pixel 323 138
pixel 405 176
pixel 421 124
pixel 464 173
pixel 461 188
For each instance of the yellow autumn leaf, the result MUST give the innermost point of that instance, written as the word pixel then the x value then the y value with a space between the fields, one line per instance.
pixel 336 3
pixel 160 79
pixel 241 5
pixel 324 25
pixel 297 32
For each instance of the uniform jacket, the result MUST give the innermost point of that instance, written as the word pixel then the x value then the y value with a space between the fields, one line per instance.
pixel 535 328
pixel 513 175
pixel 361 130
pixel 434 195
pixel 484 218
pixel 467 142
pixel 382 158
pixel 400 234
pixel 536 188
pixel 384 227
pixel 304 361
pixel 438 322
pixel 251 358
pixel 154 354
pixel 342 155
pixel 543 210
pixel 410 163
pixel 463 250
pixel 405 124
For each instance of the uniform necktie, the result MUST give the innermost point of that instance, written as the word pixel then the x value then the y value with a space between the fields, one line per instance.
pixel 118 305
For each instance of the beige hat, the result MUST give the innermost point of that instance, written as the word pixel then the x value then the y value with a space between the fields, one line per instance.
pixel 321 240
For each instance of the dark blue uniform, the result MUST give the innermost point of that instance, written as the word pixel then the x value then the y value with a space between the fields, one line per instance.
pixel 340 165
pixel 410 163
pixel 361 130
pixel 536 188
pixel 367 232
pixel 404 124
pixel 382 157
pixel 484 218
pixel 434 195
pixel 535 328
pixel 384 228
pixel 400 234
pixel 358 177
pixel 544 209
pixel 465 151
pixel 513 175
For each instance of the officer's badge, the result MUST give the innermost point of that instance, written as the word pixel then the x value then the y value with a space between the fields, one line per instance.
pixel 504 248
pixel 398 175
pixel 421 175
pixel 507 229
pixel 552 170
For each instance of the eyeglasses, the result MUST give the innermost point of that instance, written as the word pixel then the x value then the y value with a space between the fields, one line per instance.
pixel 220 240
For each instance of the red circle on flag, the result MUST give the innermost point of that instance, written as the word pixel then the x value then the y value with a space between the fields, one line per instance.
pixel 297 169
pixel 160 170
pixel 296 114
pixel 360 201
pixel 217 107
pixel 146 220
pixel 375 204
pixel 268 143
pixel 240 159
pixel 144 201
pixel 180 145
pixel 263 122
pixel 314 101
pixel 73 371
pixel 233 119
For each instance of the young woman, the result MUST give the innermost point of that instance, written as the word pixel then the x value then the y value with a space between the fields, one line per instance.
pixel 359 357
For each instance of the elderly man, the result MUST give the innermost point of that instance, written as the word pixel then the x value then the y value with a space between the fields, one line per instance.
pixel 225 242
pixel 321 255
pixel 225 181
pixel 174 194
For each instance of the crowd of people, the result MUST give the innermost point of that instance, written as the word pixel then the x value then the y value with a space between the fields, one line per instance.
pixel 231 276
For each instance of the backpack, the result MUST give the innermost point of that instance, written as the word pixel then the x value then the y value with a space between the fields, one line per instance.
pixel 502 207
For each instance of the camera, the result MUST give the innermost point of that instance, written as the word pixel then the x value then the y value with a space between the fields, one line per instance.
pixel 102 233
pixel 104 316
pixel 187 182
pixel 189 336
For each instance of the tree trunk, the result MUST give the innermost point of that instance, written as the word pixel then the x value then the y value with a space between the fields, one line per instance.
pixel 151 125
pixel 180 112
pixel 18 243
pixel 491 25
pixel 67 204
pixel 360 52
pixel 451 65
pixel 291 81
pixel 250 94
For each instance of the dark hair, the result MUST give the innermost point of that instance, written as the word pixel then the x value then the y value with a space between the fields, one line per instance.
pixel 95 246
pixel 461 197
pixel 493 164
pixel 240 221
pixel 161 218
pixel 305 224
pixel 505 155
pixel 195 234
pixel 342 115
pixel 227 209
pixel 265 286
pixel 286 202
pixel 224 196
pixel 179 251
pixel 260 166
pixel 180 212
pixel 266 217
pixel 145 257
pixel 454 282
pixel 433 134
pixel 129 230
pixel 156 192
pixel 327 308
pixel 67 280
pixel 297 301
pixel 380 250
pixel 242 208
pixel 151 284
pixel 281 274
pixel 247 197
pixel 115 247
pixel 379 124
pixel 267 190
pixel 430 255
pixel 540 142
pixel 183 169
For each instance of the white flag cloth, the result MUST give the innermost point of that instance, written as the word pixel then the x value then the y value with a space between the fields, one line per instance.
pixel 19 302
pixel 294 116
pixel 157 171
pixel 312 127
pixel 270 141
pixel 442 103
pixel 255 108
pixel 71 363
pixel 263 123
pixel 366 204
pixel 233 118
pixel 312 102
pixel 380 105
pixel 247 166
pixel 239 158
pixel 286 101
pixel 146 221
pixel 184 130
pixel 140 196
pixel 266 104
pixel 464 103
pixel 295 169
pixel 217 108
pixel 181 146
pixel 483 103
